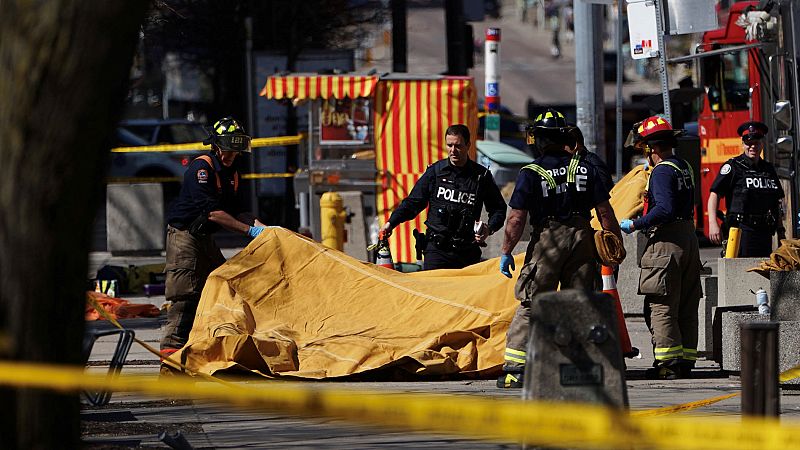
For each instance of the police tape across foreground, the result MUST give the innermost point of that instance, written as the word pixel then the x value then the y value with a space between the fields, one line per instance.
pixel 562 425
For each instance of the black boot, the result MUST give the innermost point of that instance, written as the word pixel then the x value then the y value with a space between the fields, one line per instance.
pixel 510 380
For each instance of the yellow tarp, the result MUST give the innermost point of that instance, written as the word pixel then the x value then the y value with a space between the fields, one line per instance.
pixel 627 195
pixel 785 258
pixel 286 305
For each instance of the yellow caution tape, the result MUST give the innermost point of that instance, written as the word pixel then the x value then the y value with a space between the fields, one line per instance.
pixel 683 407
pixel 246 176
pixel 789 375
pixel 199 146
pixel 538 423
pixel 785 376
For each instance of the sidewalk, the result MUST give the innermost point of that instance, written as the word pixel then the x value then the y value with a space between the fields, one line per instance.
pixel 132 420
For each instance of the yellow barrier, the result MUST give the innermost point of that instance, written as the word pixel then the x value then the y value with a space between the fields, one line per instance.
pixel 199 146
pixel 539 423
pixel 734 239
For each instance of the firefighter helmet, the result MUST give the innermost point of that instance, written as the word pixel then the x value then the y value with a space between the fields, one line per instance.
pixel 550 122
pixel 228 136
pixel 654 128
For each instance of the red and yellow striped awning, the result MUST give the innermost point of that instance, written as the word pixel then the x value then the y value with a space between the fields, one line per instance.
pixel 312 87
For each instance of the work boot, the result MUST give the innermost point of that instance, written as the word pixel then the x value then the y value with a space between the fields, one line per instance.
pixel 686 368
pixel 662 372
pixel 510 380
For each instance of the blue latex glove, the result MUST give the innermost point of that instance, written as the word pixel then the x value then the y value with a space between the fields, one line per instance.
pixel 254 231
pixel 627 226
pixel 506 262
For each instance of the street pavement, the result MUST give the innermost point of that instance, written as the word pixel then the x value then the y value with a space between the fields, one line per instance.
pixel 134 420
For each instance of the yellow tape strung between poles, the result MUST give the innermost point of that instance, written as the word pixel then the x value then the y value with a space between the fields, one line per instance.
pixel 199 146
pixel 785 376
pixel 546 424
pixel 246 176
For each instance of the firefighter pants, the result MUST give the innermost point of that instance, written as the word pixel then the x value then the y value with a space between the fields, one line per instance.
pixel 670 281
pixel 559 252
pixel 189 261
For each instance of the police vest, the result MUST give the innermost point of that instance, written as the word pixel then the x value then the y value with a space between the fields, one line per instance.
pixel 210 162
pixel 685 181
pixel 754 192
pixel 562 199
pixel 455 202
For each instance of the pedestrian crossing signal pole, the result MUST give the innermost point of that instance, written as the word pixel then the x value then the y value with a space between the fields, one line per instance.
pixel 492 85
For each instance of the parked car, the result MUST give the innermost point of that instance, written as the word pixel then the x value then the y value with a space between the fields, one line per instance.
pixel 503 160
pixel 141 132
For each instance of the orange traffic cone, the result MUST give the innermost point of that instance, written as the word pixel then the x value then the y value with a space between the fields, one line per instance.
pixel 384 255
pixel 610 288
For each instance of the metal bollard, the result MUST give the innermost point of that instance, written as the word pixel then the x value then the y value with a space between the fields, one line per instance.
pixel 759 378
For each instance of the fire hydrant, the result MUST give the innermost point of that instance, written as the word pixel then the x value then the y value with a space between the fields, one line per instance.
pixel 332 218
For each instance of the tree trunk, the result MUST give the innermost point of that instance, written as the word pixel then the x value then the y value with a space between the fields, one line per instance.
pixel 64 70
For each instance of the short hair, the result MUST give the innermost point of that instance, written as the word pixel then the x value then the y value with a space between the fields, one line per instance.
pixel 458 130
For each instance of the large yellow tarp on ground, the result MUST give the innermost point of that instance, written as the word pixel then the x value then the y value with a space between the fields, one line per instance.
pixel 289 306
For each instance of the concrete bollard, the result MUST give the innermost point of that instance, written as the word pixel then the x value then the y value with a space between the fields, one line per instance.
pixel 760 395
pixel 573 351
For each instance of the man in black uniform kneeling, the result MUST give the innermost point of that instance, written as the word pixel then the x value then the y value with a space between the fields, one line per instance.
pixel 456 188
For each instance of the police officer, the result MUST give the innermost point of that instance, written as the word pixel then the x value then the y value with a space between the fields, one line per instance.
pixel 752 195
pixel 456 188
pixel 670 266
pixel 209 200
pixel 558 190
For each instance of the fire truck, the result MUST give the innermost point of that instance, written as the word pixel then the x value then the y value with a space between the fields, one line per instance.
pixel 748 70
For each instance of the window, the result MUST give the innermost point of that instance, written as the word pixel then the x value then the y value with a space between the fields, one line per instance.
pixel 727 82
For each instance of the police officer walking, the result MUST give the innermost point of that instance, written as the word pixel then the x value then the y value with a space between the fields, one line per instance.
pixel 558 190
pixel 457 189
pixel 752 195
pixel 670 266
pixel 209 200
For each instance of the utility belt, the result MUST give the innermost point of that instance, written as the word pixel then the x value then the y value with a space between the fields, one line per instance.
pixel 764 221
pixel 200 227
pixel 447 242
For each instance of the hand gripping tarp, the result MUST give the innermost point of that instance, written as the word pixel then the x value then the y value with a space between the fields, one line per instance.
pixel 289 306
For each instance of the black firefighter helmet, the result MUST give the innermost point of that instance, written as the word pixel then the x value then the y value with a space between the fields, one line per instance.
pixel 228 136
pixel 549 127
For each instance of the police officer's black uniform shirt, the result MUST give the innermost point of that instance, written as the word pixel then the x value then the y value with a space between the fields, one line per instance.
pixel 456 196
pixel 750 188
pixel 199 193
pixel 670 194
pixel 533 194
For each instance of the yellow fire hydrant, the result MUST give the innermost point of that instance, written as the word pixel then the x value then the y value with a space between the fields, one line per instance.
pixel 332 217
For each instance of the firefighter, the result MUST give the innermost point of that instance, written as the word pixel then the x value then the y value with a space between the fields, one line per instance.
pixel 752 195
pixel 209 200
pixel 456 189
pixel 670 266
pixel 558 190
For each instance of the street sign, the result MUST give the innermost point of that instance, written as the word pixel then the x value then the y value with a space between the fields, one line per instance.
pixel 642 29
pixel 491 131
pixel 695 16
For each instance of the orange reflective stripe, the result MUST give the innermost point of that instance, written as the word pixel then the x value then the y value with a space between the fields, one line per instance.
pixel 235 182
pixel 207 159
